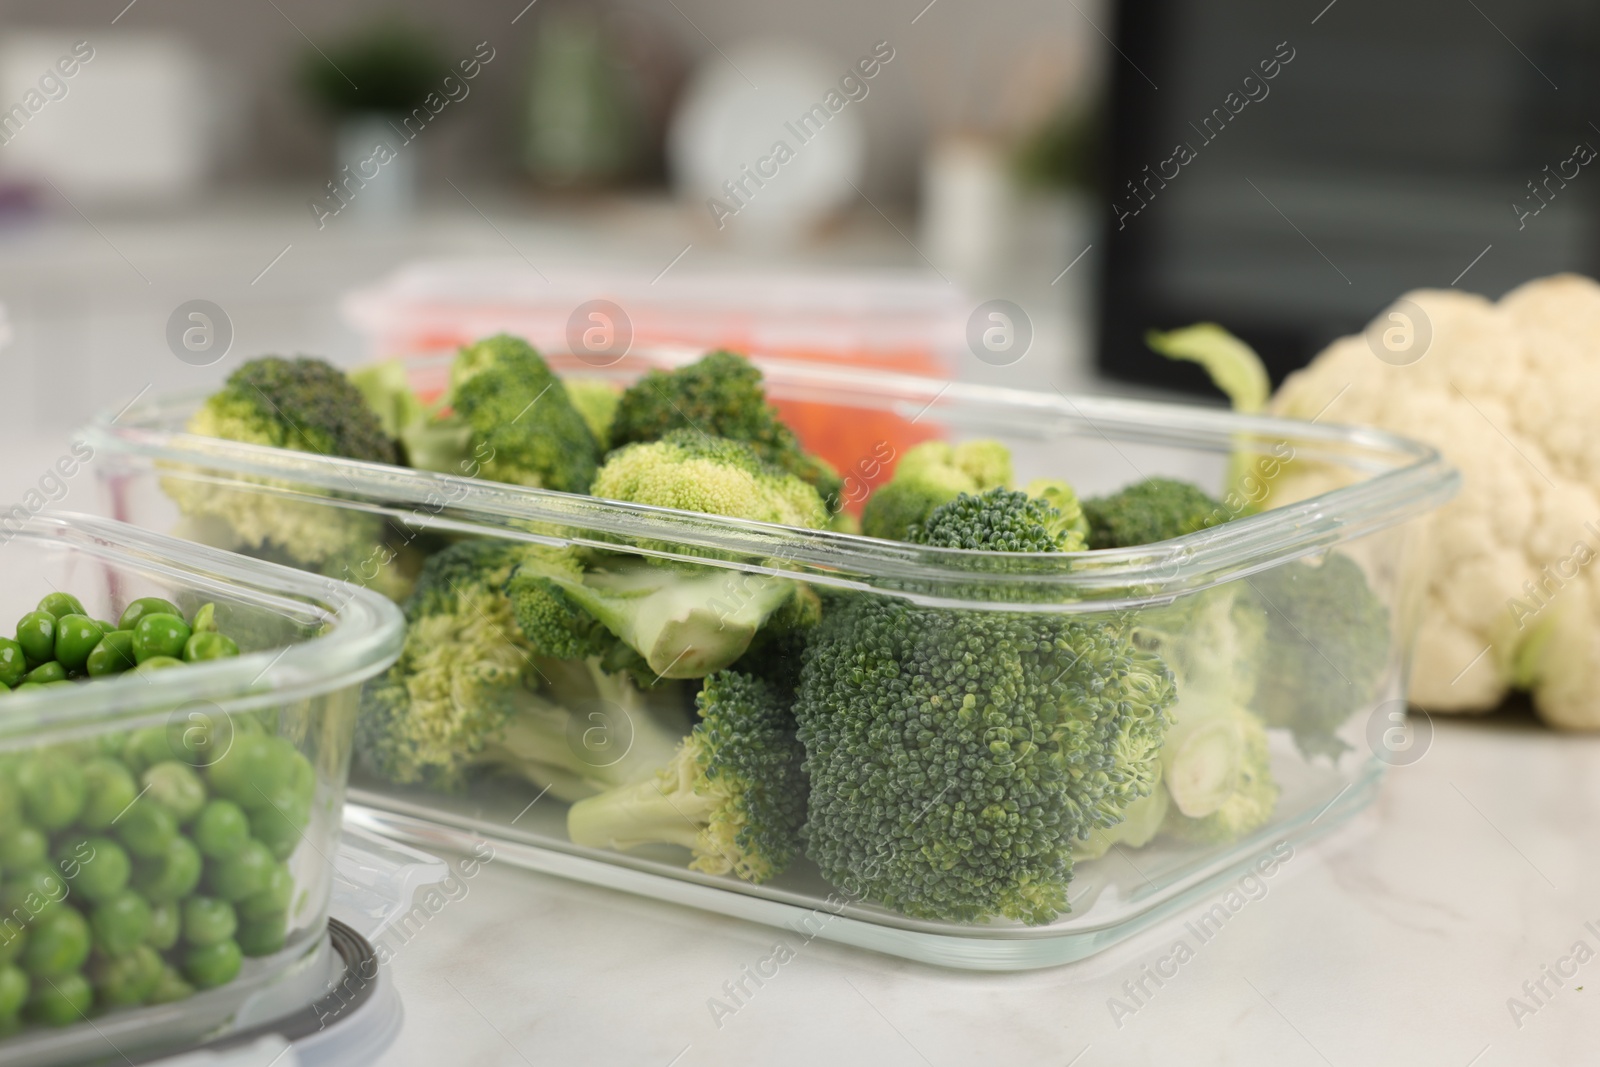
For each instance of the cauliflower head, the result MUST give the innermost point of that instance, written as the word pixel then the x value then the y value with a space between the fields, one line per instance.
pixel 1506 391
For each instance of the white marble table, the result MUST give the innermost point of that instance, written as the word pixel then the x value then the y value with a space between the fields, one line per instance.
pixel 1397 939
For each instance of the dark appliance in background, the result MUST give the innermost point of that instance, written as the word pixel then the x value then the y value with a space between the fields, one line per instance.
pixel 1392 146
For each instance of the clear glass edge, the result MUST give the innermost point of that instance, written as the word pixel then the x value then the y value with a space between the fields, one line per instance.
pixel 366 636
pixel 1411 478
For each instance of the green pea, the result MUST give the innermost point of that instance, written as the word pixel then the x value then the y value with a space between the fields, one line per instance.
pixel 166 921
pixel 238 775
pixel 95 867
pixel 169 987
pixel 106 627
pixel 272 901
pixel 263 937
pixel 146 605
pixel 53 790
pixel 279 829
pixel 157 663
pixel 13 937
pixel 170 876
pixel 207 920
pixel 113 655
pixel 120 923
pixel 209 966
pixel 159 634
pixel 32 893
pixel 146 746
pixel 110 789
pixel 205 619
pixel 59 604
pixel 58 944
pixel 13 991
pixel 202 737
pixel 45 673
pixel 147 830
pixel 13 662
pixel 126 979
pixel 27 687
pixel 209 645
pixel 60 1001
pixel 76 636
pixel 222 830
pixel 176 787
pixel 243 875
pixel 36 633
pixel 22 847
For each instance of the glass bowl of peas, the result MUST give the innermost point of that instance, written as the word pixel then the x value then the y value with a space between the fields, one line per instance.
pixel 175 737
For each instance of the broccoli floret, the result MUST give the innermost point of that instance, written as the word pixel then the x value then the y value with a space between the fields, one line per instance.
pixel 1326 647
pixel 733 793
pixel 931 474
pixel 685 622
pixel 719 395
pixel 715 475
pixel 1156 509
pixel 597 401
pixel 302 404
pixel 1141 822
pixel 1000 520
pixel 524 427
pixel 955 756
pixel 468 694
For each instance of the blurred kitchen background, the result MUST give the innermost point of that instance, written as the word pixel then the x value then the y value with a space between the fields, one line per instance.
pixel 992 192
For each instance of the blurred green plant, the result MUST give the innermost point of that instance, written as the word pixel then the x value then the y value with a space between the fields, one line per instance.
pixel 1065 152
pixel 389 67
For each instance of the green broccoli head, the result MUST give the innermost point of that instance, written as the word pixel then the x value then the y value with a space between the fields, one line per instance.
pixel 468 695
pixel 1325 648
pixel 720 395
pixel 301 404
pixel 460 675
pixel 1000 520
pixel 1156 509
pixel 304 404
pixel 931 474
pixel 714 475
pixel 955 756
pixel 683 622
pixel 733 793
pixel 524 428
pixel 597 401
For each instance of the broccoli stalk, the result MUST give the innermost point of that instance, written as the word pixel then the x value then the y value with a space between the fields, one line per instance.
pixel 467 694
pixel 576 740
pixel 733 793
pixel 685 623
pixel 1218 772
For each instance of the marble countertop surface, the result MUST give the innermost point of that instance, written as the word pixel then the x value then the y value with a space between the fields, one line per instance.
pixel 1403 937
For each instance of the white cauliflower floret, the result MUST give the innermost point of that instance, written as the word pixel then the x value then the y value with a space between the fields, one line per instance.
pixel 1507 392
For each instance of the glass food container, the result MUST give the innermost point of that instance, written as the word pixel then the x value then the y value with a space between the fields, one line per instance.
pixel 1194 707
pixel 233 772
